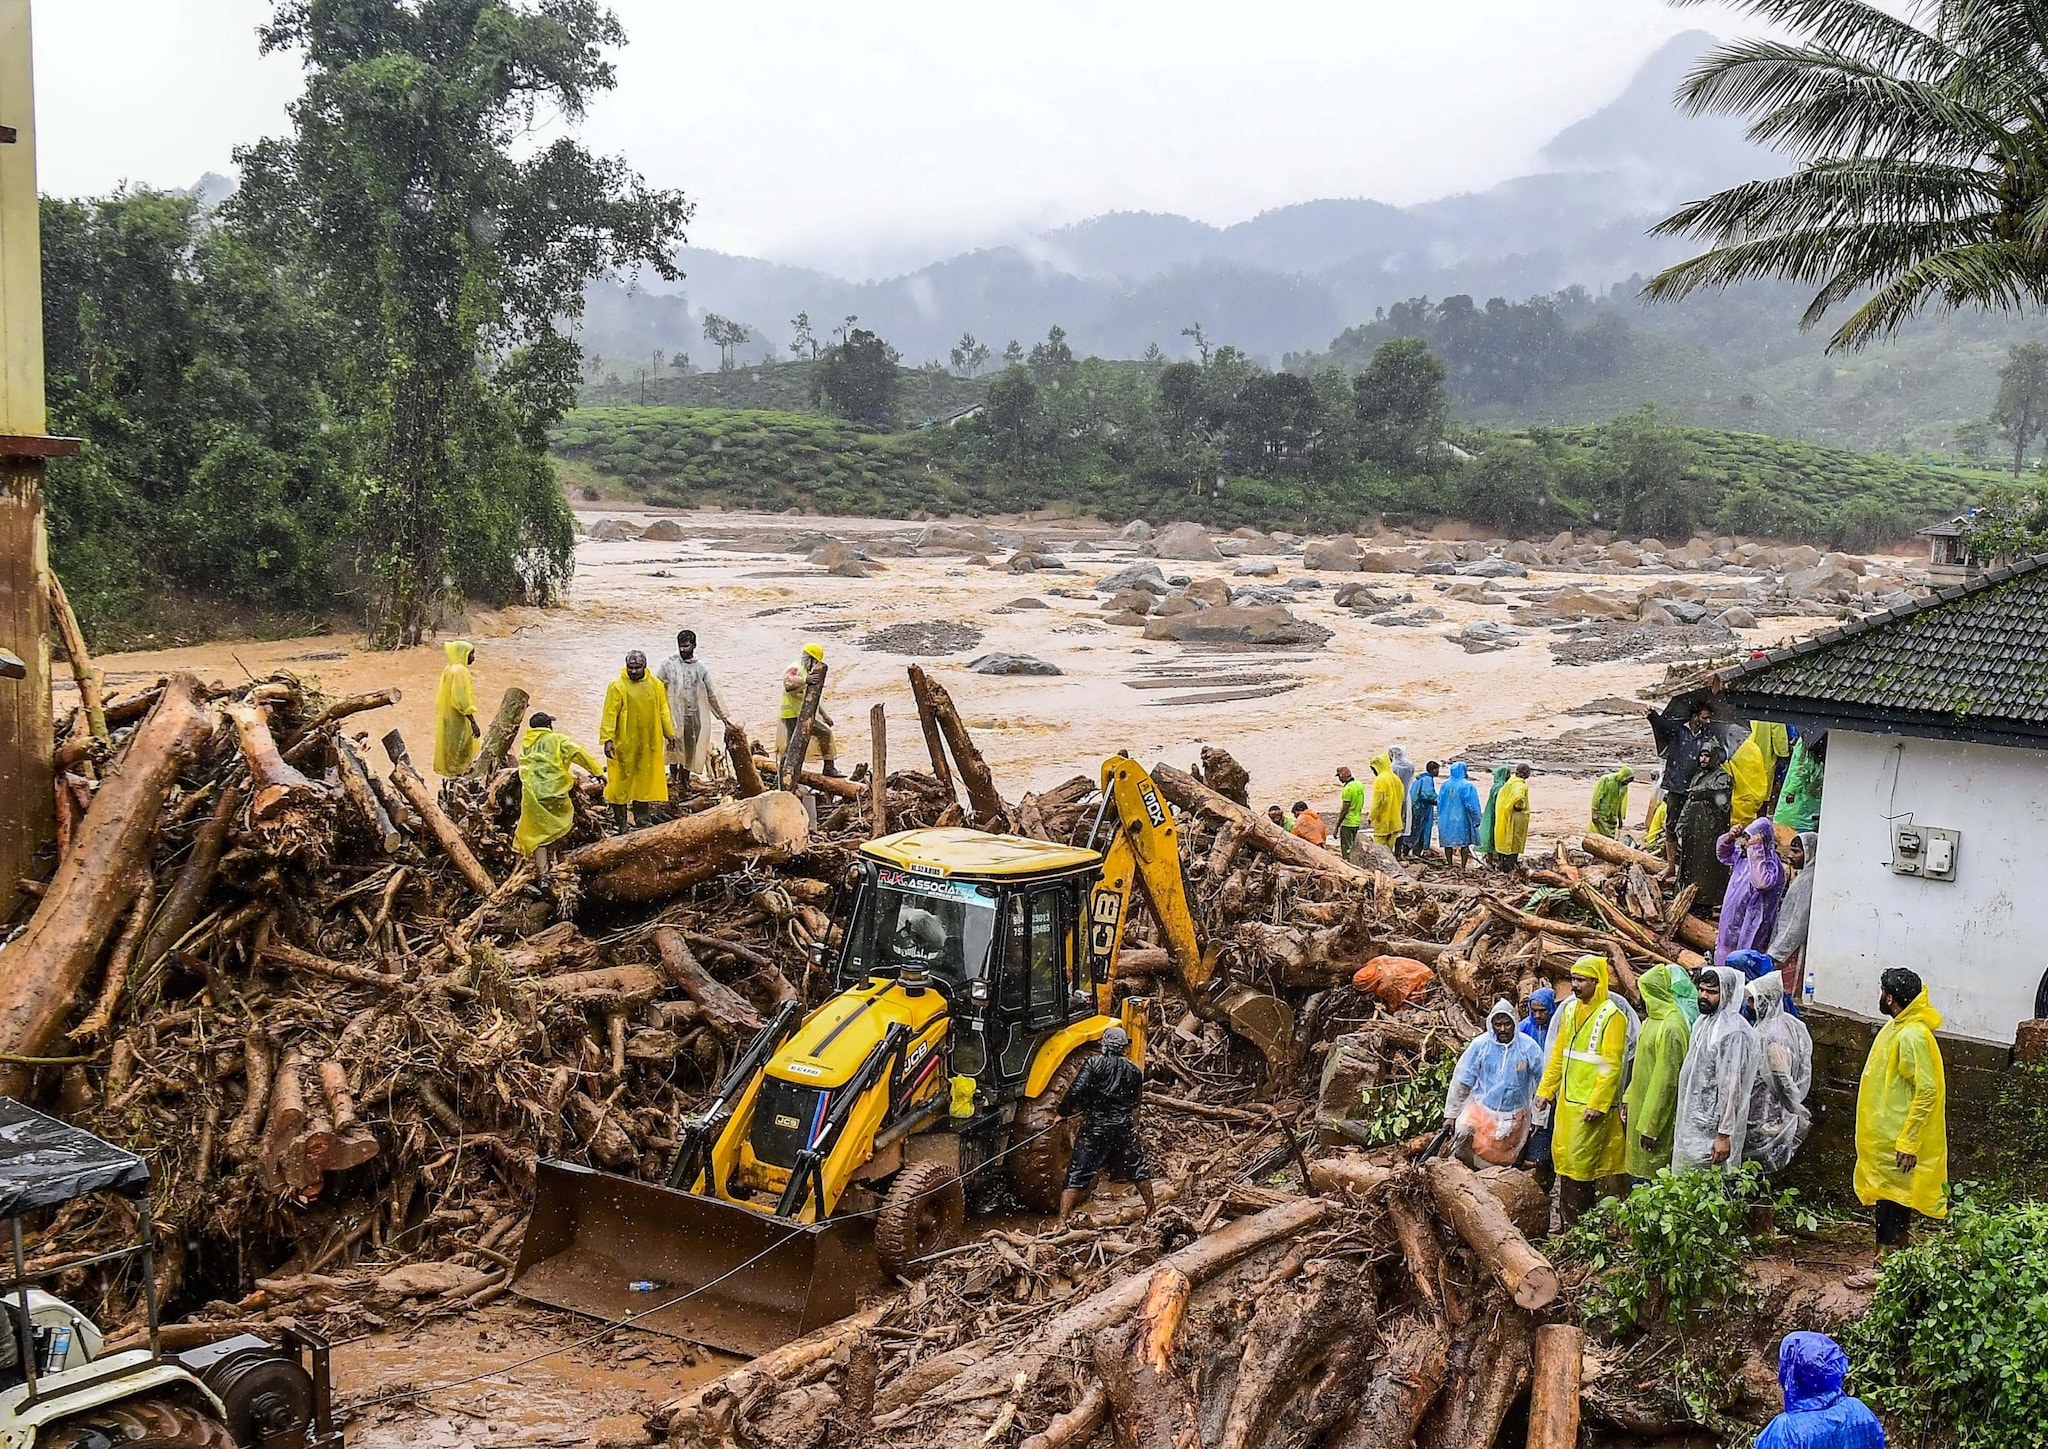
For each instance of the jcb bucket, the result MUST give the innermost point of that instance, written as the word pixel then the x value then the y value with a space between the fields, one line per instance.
pixel 753 1282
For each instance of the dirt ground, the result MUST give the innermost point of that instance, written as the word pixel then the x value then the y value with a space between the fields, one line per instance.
pixel 754 608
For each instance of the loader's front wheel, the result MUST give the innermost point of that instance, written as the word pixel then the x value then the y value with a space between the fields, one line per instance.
pixel 1042 1144
pixel 925 1210
pixel 138 1424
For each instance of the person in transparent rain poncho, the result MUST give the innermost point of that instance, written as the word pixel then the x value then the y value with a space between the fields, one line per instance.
pixel 1778 1115
pixel 1718 1080
pixel 1488 1105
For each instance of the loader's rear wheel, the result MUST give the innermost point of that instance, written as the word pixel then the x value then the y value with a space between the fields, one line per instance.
pixel 138 1424
pixel 1044 1144
pixel 925 1210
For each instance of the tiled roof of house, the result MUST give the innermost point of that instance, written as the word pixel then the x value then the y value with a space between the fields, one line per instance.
pixel 1972 657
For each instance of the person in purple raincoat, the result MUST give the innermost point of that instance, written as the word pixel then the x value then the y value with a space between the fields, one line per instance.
pixel 1756 888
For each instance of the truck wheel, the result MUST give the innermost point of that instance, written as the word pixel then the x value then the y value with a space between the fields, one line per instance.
pixel 139 1424
pixel 1038 1166
pixel 924 1212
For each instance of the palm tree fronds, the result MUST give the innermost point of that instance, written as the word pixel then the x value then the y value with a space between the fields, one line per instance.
pixel 1872 34
pixel 1988 276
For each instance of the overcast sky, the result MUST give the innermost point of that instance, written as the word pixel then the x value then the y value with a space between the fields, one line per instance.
pixel 864 135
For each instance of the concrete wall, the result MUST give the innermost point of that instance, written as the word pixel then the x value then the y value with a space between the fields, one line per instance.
pixel 1981 940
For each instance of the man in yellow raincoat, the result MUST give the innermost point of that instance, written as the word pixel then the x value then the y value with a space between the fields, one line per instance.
pixel 1902 1113
pixel 456 731
pixel 795 680
pixel 1386 801
pixel 546 813
pixel 1752 765
pixel 635 736
pixel 1511 820
pixel 1583 1080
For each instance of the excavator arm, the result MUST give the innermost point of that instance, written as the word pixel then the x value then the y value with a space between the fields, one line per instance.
pixel 1144 852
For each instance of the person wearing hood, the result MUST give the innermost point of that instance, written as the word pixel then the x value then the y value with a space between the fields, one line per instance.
pixel 1902 1112
pixel 1799 802
pixel 1778 1115
pixel 1610 802
pixel 1491 1093
pixel 796 681
pixel 1787 948
pixel 690 694
pixel 1457 816
pixel 1106 1095
pixel 1818 1413
pixel 1488 816
pixel 1684 994
pixel 1539 1012
pixel 1719 1078
pixel 1389 802
pixel 1756 886
pixel 1422 804
pixel 1582 1078
pixel 1404 771
pixel 634 735
pixel 1750 766
pixel 1651 1103
pixel 546 813
pixel 1511 820
pixel 456 731
pixel 1702 821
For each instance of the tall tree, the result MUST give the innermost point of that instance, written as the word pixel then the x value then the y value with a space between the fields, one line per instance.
pixel 2021 411
pixel 858 378
pixel 1052 356
pixel 726 335
pixel 969 356
pixel 1401 403
pixel 803 343
pixel 1920 150
pixel 408 200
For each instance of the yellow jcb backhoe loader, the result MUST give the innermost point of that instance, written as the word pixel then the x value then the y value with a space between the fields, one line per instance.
pixel 974 974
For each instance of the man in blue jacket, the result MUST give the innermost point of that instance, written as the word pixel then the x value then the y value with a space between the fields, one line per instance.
pixel 1818 1415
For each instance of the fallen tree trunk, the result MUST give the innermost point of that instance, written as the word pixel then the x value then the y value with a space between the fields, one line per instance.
pixel 934 742
pixel 307 745
pixel 1554 1387
pixel 727 1012
pixel 1200 1260
pixel 1076 1426
pixel 614 987
pixel 679 1419
pixel 1601 847
pixel 741 756
pixel 1496 1373
pixel 41 972
pixel 1188 793
pixel 1149 1406
pixel 984 803
pixel 1698 934
pixel 355 784
pixel 406 780
pixel 1412 1369
pixel 1288 1332
pixel 143 894
pixel 1348 1174
pixel 90 696
pixel 278 786
pixel 662 860
pixel 1484 1224
pixel 835 785
pixel 505 726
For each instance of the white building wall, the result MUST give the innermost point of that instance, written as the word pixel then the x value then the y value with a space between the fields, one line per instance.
pixel 1979 941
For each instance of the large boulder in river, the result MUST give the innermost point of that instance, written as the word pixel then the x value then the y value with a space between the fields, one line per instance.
pixel 614 530
pixel 1186 541
pixel 664 530
pixel 1209 593
pixel 1136 531
pixel 952 536
pixel 1132 601
pixel 1011 664
pixel 1144 576
pixel 1331 555
pixel 1236 624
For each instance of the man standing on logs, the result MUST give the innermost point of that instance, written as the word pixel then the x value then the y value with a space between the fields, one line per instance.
pixel 690 693
pixel 1583 1078
pixel 794 680
pixel 456 731
pixel 1350 811
pixel 546 811
pixel 1105 1096
pixel 635 734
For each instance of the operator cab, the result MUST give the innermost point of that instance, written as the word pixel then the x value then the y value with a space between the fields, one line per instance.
pixel 997 924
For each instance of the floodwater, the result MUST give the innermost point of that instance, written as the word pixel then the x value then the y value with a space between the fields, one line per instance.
pixel 754 607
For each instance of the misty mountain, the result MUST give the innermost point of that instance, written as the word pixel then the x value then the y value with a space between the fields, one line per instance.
pixel 1288 279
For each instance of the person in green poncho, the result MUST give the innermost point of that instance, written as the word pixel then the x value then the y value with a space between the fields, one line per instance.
pixel 1610 801
pixel 1685 993
pixel 1650 1106
pixel 1485 845
pixel 546 813
pixel 1799 802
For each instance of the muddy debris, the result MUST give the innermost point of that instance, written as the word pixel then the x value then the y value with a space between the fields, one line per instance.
pixel 922 640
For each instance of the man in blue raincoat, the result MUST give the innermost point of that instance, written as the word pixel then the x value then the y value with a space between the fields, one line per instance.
pixel 1818 1415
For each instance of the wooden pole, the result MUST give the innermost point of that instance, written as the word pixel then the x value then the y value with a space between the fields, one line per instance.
pixel 658 862
pixel 355 784
pixel 928 721
pixel 499 737
pixel 27 794
pixel 800 728
pixel 90 695
pixel 878 773
pixel 406 780
pixel 1484 1224
pixel 746 778
pixel 1554 1387
pixel 982 797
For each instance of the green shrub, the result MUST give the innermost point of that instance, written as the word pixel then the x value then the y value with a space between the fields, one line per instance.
pixel 1957 1334
pixel 1673 1246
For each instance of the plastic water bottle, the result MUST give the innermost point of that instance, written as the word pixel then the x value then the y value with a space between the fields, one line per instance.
pixel 60 1348
pixel 644 1285
pixel 1806 988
